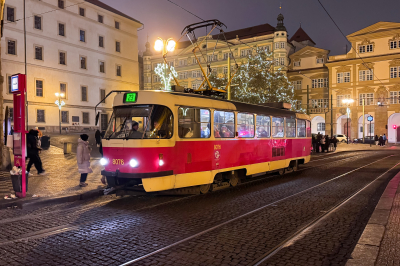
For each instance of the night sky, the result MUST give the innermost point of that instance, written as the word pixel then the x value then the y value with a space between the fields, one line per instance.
pixel 163 19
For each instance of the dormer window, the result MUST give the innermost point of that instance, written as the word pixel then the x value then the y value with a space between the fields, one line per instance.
pixel 366 48
pixel 320 60
pixel 296 63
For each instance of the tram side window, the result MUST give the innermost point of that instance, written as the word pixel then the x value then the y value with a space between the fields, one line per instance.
pixel 301 128
pixel 245 125
pixel 194 123
pixel 278 126
pixel 263 126
pixel 224 124
pixel 308 129
pixel 290 127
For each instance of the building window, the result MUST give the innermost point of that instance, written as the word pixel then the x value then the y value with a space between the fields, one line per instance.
pixel 102 95
pixel 394 97
pixel 195 86
pixel 365 75
pixel 156 78
pixel 369 98
pixel 171 64
pixel 82 11
pixel 282 45
pixel 40 116
pixel 84 93
pixel 393 45
pixel 320 103
pixel 38 22
pixel 10 14
pixel 83 62
pixel 282 61
pixel 39 88
pixel 117 25
pixel 101 41
pixel 343 77
pixel 64 117
pixel 225 70
pixel 365 48
pixel 11 45
pixel 319 83
pixel 297 84
pixel 75 119
pixel 61 29
pixel 340 98
pixel 320 60
pixel 118 47
pixel 102 67
pixel 63 90
pixel 321 127
pixel 296 63
pixel 61 3
pixel 100 18
pixel 38 53
pixel 394 72
pixel 298 104
pixel 62 58
pixel 119 71
pixel 277 45
pixel 85 117
pixel 245 52
pixel 82 36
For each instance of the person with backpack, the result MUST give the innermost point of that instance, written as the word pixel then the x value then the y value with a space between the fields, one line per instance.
pixel 83 158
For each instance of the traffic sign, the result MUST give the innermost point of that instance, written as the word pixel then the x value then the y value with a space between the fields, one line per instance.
pixel 370 118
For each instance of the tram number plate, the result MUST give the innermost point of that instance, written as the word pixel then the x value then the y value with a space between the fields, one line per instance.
pixel 118 161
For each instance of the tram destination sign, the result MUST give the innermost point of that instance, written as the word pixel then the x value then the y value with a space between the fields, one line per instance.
pixel 130 97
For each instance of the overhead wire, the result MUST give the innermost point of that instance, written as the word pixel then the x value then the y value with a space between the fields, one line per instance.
pixel 364 63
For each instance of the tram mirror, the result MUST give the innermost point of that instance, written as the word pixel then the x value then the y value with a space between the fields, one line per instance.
pixel 97 118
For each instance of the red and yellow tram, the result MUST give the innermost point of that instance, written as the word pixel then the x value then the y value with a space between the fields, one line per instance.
pixel 168 140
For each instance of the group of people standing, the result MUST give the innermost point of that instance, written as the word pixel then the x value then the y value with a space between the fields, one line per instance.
pixel 381 141
pixel 321 143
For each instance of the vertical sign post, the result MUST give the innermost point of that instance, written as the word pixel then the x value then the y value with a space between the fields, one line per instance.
pixel 370 119
pixel 18 88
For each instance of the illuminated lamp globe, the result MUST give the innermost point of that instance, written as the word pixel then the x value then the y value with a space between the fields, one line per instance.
pixel 62 94
pixel 171 45
pixel 158 46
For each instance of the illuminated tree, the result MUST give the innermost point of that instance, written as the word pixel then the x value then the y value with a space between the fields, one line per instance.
pixel 166 75
pixel 257 81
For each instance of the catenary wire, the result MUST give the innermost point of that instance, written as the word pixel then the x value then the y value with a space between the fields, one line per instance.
pixel 186 10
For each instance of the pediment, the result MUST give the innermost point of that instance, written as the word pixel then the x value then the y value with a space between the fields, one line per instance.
pixel 343 69
pixel 377 27
pixel 343 91
pixel 395 62
pixel 319 76
pixel 395 87
pixel 366 66
pixel 366 90
pixel 295 78
pixel 309 51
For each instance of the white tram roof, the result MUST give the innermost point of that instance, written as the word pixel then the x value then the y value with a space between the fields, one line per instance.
pixel 172 99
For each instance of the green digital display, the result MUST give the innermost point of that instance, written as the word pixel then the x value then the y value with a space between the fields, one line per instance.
pixel 130 97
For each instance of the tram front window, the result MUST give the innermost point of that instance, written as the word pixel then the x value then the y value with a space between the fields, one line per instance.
pixel 140 122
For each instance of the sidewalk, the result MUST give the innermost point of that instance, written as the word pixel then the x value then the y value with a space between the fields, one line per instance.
pixel 380 242
pixel 61 180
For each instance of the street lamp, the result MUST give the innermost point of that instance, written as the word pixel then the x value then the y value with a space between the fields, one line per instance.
pixel 60 103
pixel 166 46
pixel 348 102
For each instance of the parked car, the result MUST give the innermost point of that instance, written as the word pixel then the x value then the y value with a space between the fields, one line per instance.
pixel 368 139
pixel 341 138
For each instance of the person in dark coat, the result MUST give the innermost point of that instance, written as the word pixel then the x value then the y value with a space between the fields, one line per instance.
pixel 376 139
pixel 98 137
pixel 314 143
pixel 334 141
pixel 319 137
pixel 381 141
pixel 33 152
pixel 327 143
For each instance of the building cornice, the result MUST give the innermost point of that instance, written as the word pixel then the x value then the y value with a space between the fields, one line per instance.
pixel 358 60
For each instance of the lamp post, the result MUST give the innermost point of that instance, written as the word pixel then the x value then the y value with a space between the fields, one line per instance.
pixel 348 102
pixel 60 103
pixel 165 46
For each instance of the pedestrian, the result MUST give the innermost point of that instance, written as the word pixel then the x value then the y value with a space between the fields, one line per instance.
pixel 40 135
pixel 384 139
pixel 314 143
pixel 376 140
pixel 327 143
pixel 334 141
pixel 33 152
pixel 322 143
pixel 319 137
pixel 98 138
pixel 380 140
pixel 83 158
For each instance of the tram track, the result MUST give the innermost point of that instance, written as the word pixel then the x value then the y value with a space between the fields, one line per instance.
pixel 68 227
pixel 271 204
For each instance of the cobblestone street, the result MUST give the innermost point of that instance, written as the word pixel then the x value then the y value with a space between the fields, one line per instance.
pixel 255 223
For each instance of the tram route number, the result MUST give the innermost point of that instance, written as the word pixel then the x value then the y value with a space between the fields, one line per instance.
pixel 118 161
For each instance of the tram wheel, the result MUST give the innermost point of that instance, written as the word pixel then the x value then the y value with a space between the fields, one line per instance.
pixel 205 188
pixel 281 171
pixel 234 179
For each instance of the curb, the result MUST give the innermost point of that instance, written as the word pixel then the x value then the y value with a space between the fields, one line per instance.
pixel 367 248
pixel 38 202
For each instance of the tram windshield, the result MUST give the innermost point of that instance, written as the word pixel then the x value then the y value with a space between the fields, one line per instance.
pixel 140 122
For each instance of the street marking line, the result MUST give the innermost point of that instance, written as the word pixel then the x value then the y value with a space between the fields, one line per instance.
pixel 309 226
pixel 243 215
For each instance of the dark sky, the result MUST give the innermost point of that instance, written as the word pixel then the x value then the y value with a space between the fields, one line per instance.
pixel 163 19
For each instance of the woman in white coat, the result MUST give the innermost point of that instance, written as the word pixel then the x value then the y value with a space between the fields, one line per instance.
pixel 83 158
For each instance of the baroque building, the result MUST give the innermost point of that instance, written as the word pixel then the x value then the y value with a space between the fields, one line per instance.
pixel 216 51
pixel 83 49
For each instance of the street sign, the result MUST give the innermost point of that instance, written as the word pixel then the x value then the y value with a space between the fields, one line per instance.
pixel 370 118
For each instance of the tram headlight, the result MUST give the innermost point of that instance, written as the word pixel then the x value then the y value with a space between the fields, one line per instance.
pixel 103 161
pixel 133 163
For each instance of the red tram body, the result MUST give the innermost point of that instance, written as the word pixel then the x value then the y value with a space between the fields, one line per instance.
pixel 166 140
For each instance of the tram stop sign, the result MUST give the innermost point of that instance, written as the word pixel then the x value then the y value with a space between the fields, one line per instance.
pixel 370 118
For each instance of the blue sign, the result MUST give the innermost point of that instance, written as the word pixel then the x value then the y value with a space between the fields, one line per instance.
pixel 370 118
pixel 14 83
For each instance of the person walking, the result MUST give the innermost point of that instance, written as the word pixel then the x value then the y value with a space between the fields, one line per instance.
pixel 322 143
pixel 334 141
pixel 314 143
pixel 33 149
pixel 384 139
pixel 83 158
pixel 380 140
pixel 376 140
pixel 319 137
pixel 98 138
